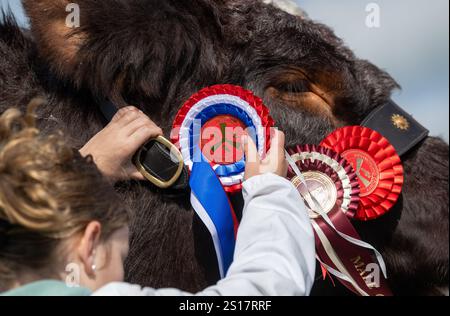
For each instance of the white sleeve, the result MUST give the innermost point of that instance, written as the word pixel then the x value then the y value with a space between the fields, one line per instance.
pixel 275 250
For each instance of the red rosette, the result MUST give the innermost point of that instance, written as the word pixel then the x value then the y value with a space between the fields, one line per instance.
pixel 377 166
pixel 315 162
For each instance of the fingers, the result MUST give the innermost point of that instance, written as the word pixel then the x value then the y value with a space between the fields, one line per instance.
pixel 145 123
pixel 130 129
pixel 123 111
pixel 137 176
pixel 275 160
pixel 251 157
pixel 142 134
pixel 276 157
pixel 277 145
pixel 130 120
pixel 281 154
pixel 126 116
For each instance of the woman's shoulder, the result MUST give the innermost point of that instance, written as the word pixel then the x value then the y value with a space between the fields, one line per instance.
pixel 123 289
pixel 126 289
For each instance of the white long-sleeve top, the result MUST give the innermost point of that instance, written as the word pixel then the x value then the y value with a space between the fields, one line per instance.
pixel 275 250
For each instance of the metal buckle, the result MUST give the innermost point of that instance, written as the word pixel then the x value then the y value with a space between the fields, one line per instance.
pixel 175 157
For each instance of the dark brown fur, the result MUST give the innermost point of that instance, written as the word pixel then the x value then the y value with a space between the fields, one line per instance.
pixel 155 54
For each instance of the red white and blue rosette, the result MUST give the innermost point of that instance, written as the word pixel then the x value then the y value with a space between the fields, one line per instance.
pixel 214 120
pixel 208 129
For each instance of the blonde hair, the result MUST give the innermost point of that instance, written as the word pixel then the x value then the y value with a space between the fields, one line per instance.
pixel 48 192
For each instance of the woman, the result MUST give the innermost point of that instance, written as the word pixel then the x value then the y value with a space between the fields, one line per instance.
pixel 63 229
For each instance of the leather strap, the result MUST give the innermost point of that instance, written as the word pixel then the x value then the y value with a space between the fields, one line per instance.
pixel 390 120
pixel 398 126
pixel 156 160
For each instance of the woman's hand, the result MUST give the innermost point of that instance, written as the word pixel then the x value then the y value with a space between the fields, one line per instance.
pixel 275 161
pixel 114 147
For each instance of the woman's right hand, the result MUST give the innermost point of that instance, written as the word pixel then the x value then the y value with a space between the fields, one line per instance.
pixel 113 147
pixel 275 161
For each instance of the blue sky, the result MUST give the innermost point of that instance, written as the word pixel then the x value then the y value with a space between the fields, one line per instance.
pixel 412 44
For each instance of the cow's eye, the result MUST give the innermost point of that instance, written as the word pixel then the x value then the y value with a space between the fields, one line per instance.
pixel 294 88
pixel 297 86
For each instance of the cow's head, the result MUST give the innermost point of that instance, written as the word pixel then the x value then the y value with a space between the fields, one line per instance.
pixel 155 54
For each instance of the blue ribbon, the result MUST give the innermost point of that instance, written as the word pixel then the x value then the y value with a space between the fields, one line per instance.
pixel 214 203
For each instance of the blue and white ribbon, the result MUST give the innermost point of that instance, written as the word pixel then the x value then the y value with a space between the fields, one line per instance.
pixel 211 203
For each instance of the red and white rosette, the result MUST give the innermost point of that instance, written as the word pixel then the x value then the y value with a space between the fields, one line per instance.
pixel 214 120
pixel 316 159
pixel 377 166
pixel 330 189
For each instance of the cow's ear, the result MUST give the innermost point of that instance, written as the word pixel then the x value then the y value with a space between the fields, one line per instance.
pixel 128 51
pixel 54 26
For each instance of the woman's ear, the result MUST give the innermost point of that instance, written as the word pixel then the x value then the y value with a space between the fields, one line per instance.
pixel 87 248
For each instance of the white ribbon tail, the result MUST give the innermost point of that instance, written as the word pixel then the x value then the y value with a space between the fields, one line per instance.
pixel 315 205
pixel 201 212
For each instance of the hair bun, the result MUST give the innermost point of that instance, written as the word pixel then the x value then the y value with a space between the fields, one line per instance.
pixel 46 196
pixel 26 161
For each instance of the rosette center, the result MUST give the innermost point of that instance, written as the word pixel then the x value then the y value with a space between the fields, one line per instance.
pixel 221 139
pixel 366 170
pixel 321 187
